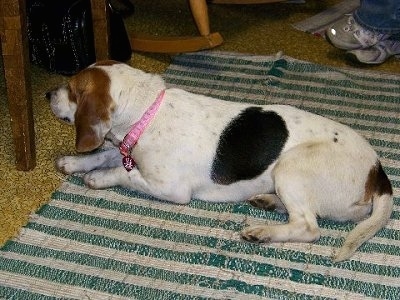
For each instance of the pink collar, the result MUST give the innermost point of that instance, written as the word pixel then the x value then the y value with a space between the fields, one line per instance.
pixel 136 131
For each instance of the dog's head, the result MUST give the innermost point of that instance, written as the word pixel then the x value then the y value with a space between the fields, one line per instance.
pixel 86 103
pixel 107 96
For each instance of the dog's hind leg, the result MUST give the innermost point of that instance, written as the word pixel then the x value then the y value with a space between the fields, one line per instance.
pixel 302 227
pixel 291 192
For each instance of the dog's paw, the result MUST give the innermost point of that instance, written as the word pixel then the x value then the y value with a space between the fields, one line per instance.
pixel 263 201
pixel 256 234
pixel 96 180
pixel 92 180
pixel 267 202
pixel 67 164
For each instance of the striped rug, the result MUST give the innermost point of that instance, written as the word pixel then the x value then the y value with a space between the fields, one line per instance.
pixel 121 244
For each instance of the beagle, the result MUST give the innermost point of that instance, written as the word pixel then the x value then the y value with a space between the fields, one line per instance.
pixel 177 145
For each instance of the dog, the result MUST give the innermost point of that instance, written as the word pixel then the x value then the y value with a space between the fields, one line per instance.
pixel 176 145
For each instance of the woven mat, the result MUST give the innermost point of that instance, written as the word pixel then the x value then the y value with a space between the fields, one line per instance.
pixel 320 22
pixel 116 243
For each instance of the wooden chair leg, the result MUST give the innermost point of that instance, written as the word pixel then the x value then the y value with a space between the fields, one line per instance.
pixel 205 40
pixel 16 69
pixel 200 14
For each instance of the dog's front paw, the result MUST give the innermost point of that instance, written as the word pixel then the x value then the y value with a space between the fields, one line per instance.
pixel 256 234
pixel 68 164
pixel 96 180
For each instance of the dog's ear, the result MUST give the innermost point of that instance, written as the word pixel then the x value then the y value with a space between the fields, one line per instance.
pixel 92 117
pixel 87 138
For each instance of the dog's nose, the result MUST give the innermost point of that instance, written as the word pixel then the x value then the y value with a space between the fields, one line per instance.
pixel 48 95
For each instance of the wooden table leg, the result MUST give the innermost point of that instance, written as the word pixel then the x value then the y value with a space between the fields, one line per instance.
pixel 16 69
pixel 101 29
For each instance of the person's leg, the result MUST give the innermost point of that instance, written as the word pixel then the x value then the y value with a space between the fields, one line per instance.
pixel 379 15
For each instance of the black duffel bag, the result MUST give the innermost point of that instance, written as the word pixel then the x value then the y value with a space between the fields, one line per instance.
pixel 60 35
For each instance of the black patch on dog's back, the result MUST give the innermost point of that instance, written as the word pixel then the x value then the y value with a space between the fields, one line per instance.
pixel 248 145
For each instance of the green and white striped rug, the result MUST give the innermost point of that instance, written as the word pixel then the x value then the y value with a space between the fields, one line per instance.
pixel 120 244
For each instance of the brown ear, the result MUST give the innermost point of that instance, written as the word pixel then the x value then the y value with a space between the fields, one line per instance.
pixel 91 119
pixel 90 90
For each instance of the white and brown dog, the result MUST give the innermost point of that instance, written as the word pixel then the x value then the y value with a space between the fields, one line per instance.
pixel 190 145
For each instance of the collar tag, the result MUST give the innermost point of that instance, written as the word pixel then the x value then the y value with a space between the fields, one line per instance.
pixel 128 162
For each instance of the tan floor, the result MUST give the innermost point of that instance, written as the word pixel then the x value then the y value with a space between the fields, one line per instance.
pixel 258 29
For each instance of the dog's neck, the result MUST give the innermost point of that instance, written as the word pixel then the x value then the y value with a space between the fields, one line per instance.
pixel 132 137
pixel 139 98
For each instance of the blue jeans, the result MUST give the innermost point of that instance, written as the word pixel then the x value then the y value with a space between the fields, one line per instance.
pixel 379 15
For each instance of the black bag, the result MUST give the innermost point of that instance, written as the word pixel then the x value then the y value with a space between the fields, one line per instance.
pixel 60 35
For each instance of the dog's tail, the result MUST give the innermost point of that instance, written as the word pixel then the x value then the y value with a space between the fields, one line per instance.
pixel 378 190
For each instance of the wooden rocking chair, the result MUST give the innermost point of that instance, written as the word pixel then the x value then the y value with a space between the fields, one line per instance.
pixel 199 9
